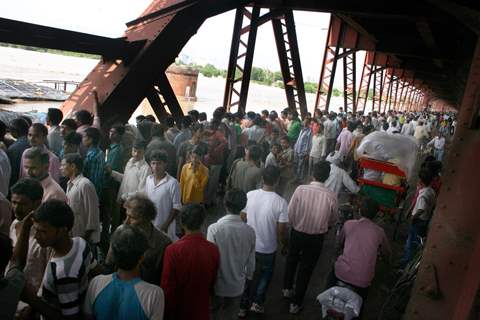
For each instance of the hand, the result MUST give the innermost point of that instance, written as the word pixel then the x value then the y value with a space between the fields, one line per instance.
pixel 95 95
pixel 27 222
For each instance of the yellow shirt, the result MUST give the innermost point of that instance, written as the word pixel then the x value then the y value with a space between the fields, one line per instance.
pixel 193 183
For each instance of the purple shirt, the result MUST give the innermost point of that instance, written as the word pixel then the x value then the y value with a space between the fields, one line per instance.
pixel 363 239
pixel 345 139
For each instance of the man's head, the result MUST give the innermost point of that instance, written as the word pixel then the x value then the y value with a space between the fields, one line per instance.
pixel 321 171
pixel 36 163
pixel 68 125
pixel 292 114
pixel 37 135
pixel 19 128
pixel 72 165
pixel 196 155
pixel 194 114
pixel 197 132
pixel 83 117
pixel 151 118
pixel 253 153
pixel 284 142
pixel 271 175
pixel 202 116
pixel 369 208
pixel 53 221
pixel 27 195
pixel 158 131
pixel 116 133
pixel 425 176
pixel 170 122
pixel 351 126
pixel 3 130
pixel 275 148
pixel 158 161
pixel 138 150
pixel 186 122
pixel 139 119
pixel 273 115
pixel 91 139
pixel 140 210
pixel 54 116
pixel 128 245
pixel 71 142
pixel 235 201
pixel 192 217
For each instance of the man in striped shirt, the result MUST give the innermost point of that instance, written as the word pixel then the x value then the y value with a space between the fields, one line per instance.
pixel 66 277
pixel 312 209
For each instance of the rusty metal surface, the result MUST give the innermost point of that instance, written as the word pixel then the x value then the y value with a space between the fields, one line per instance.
pixel 453 244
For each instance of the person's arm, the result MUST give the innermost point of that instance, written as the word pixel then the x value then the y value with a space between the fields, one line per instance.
pixel 90 199
pixel 282 236
pixel 19 257
pixel 349 183
pixel 36 303
pixel 117 176
pixel 250 269
pixel 177 205
pixel 96 103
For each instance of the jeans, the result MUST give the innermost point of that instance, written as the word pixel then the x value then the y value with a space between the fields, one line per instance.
pixel 224 308
pixel 438 154
pixel 311 162
pixel 256 289
pixel 418 228
pixel 303 253
pixel 300 165
pixel 331 143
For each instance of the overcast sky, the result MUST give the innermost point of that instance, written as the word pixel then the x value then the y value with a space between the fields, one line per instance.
pixel 211 43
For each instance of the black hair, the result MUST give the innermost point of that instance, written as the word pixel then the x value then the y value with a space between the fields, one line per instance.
pixel 321 171
pixel 255 152
pixel 70 123
pixel 194 114
pixel 193 216
pixel 351 126
pixel 29 187
pixel 55 116
pixel 218 113
pixel 84 117
pixel 435 167
pixel 265 112
pixel 369 208
pixel 235 200
pixel 202 116
pixel 151 118
pixel 158 155
pixel 56 213
pixel 128 245
pixel 143 206
pixel 170 122
pixel 119 128
pixel 426 176
pixel 3 129
pixel 271 175
pixel 157 130
pixel 41 128
pixel 20 126
pixel 27 119
pixel 139 145
pixel 294 113
pixel 6 249
pixel 94 134
pixel 73 138
pixel 140 118
pixel 186 121
pixel 37 153
pixel 75 159
pixel 200 150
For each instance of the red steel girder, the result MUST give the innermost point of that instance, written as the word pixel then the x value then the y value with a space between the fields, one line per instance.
pixel 365 81
pixel 240 63
pixel 453 244
pixel 121 86
pixel 289 57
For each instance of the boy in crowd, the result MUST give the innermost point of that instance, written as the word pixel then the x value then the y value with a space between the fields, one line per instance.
pixel 194 178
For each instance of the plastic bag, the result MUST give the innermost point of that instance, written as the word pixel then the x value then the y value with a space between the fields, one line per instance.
pixel 341 300
pixel 384 146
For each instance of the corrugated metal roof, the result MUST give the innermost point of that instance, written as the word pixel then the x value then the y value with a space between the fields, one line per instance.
pixel 19 89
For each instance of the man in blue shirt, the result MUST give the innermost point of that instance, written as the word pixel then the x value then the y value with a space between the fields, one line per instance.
pixel 94 163
pixel 123 295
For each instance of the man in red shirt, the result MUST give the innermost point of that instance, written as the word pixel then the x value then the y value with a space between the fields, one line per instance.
pixel 189 270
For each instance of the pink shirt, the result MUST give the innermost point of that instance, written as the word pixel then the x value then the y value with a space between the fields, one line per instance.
pixel 363 238
pixel 52 190
pixel 345 139
pixel 313 208
pixel 53 166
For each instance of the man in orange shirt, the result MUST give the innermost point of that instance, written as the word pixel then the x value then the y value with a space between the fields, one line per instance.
pixel 194 178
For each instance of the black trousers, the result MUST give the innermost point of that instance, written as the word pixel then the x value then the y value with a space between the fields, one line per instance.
pixel 303 253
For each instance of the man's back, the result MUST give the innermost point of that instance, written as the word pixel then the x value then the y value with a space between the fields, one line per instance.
pixel 246 176
pixel 189 272
pixel 264 210
pixel 363 239
pixel 109 297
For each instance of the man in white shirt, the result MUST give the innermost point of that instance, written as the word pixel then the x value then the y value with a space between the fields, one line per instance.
pixel 54 137
pixel 267 214
pixel 438 146
pixel 82 198
pixel 330 133
pixel 236 242
pixel 164 191
pixel 339 177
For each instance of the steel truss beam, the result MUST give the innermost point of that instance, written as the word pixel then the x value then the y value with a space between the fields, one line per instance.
pixel 241 58
pixel 335 40
pixel 289 57
pixel 365 82
pixel 350 79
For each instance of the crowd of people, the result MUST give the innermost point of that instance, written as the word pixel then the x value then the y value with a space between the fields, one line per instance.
pixel 109 223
